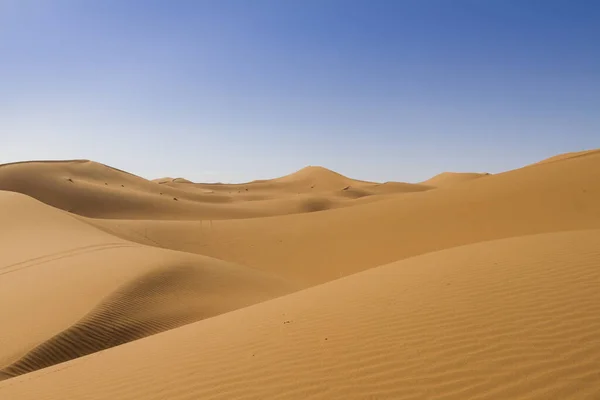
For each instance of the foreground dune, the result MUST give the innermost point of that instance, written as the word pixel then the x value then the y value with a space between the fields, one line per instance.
pixel 509 319
pixel 79 290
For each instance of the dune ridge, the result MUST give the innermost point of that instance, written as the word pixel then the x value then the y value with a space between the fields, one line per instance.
pixel 95 190
pixel 446 179
pixel 156 301
pixel 566 156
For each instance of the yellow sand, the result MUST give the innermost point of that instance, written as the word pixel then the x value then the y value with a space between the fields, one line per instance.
pixel 466 286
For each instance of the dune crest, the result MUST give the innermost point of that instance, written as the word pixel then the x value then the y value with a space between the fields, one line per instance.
pixel 566 156
pixel 95 190
pixel 446 179
pixel 319 175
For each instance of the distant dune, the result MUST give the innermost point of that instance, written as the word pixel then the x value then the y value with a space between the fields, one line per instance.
pixel 95 190
pixel 319 176
pixel 171 180
pixel 311 285
pixel 552 197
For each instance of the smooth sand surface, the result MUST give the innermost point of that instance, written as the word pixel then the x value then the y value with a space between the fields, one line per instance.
pixel 446 179
pixel 312 285
pixel 95 190
pixel 511 319
pixel 565 156
pixel 318 247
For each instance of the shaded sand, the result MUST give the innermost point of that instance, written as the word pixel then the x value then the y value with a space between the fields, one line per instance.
pixel 317 247
pixel 67 289
pixel 509 319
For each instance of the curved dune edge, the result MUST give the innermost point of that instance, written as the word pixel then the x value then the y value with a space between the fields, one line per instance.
pixel 95 190
pixel 321 176
pixel 68 289
pixel 446 179
pixel 159 300
pixel 322 246
pixel 516 318
pixel 567 156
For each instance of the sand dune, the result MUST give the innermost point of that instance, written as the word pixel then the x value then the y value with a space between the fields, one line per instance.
pixel 320 178
pixel 318 247
pixel 311 285
pixel 80 290
pixel 446 179
pixel 312 180
pixel 515 318
pixel 152 302
pixel 95 190
pixel 566 156
pixel 171 180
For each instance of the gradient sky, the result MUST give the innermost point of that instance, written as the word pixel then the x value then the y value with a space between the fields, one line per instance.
pixel 224 90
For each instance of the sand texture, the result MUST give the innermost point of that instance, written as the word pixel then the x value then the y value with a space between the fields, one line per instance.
pixel 309 286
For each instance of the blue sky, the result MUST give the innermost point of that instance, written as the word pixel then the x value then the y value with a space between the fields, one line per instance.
pixel 226 90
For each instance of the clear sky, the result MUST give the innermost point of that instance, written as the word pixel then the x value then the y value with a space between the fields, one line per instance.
pixel 225 90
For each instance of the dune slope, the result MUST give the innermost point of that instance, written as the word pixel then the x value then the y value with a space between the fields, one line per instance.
pixel 319 177
pixel 95 190
pixel 565 156
pixel 446 179
pixel 516 318
pixel 318 247
pixel 161 299
pixel 80 290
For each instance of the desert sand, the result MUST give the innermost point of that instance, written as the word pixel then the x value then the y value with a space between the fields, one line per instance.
pixel 310 285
